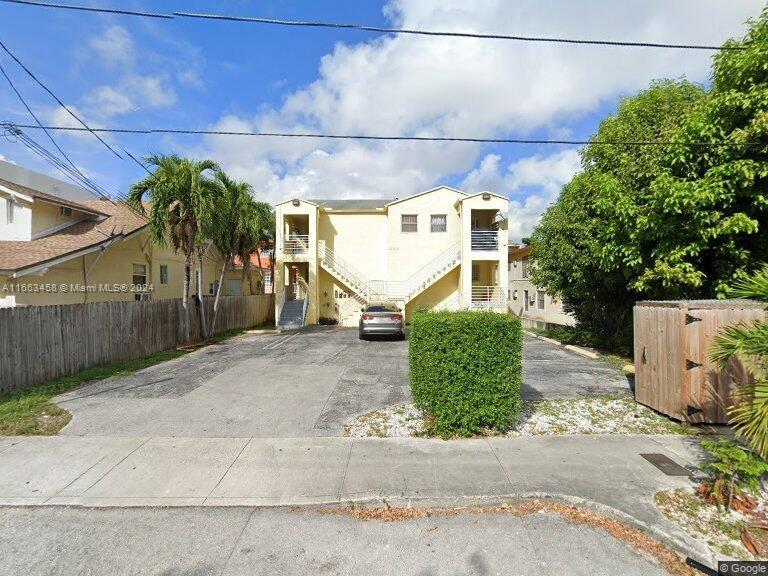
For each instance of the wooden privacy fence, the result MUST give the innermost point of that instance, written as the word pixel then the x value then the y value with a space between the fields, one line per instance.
pixel 673 373
pixel 39 343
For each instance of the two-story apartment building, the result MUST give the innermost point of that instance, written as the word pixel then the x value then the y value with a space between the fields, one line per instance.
pixel 437 249
pixel 536 308
pixel 56 250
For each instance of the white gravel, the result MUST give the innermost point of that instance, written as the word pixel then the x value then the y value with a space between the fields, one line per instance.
pixel 391 422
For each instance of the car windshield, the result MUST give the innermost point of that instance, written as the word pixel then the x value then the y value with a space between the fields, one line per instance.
pixel 381 309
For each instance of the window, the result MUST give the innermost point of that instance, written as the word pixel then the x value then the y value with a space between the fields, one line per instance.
pixel 66 211
pixel 212 287
pixel 438 223
pixel 524 265
pixel 9 204
pixel 163 274
pixel 525 296
pixel 409 223
pixel 540 299
pixel 139 274
pixel 475 273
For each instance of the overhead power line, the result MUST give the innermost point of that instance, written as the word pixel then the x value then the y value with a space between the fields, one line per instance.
pixel 89 184
pixel 48 90
pixel 379 29
pixel 388 138
pixel 386 30
pixel 90 9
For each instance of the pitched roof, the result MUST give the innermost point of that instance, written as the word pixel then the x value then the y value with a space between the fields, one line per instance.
pixel 519 253
pixel 353 203
pixel 89 206
pixel 120 221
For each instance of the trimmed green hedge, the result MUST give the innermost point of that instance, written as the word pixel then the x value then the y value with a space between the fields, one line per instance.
pixel 466 370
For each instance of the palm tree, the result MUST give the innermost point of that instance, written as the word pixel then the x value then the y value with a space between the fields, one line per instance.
pixel 749 343
pixel 260 229
pixel 183 197
pixel 234 219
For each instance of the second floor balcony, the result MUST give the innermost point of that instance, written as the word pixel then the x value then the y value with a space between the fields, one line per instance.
pixel 296 244
pixel 485 240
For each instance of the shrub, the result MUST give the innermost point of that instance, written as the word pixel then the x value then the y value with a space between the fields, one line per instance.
pixel 735 471
pixel 466 370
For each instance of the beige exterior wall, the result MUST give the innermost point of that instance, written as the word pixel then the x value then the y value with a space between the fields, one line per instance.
pixel 373 244
pixel 534 316
pixel 408 252
pixel 112 266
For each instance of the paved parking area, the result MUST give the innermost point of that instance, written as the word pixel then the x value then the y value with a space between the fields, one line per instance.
pixel 295 384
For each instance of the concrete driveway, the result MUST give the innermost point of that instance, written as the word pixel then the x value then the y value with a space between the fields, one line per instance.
pixel 295 384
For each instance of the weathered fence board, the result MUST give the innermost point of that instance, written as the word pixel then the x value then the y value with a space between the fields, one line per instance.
pixel 39 343
pixel 673 372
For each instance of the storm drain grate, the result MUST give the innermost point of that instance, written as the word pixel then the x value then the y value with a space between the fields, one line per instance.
pixel 666 465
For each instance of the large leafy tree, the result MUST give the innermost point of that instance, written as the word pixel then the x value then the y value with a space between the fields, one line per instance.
pixel 665 221
pixel 182 193
pixel 585 247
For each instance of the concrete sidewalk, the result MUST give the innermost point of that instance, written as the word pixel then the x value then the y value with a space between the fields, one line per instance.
pixel 102 471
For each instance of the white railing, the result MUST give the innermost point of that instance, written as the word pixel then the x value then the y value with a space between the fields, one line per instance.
pixel 296 244
pixel 304 290
pixel 345 271
pixel 432 270
pixel 485 240
pixel 488 297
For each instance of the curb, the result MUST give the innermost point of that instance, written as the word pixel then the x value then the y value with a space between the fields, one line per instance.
pixel 577 349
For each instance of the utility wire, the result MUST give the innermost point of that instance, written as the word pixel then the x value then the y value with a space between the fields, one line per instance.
pixel 413 31
pixel 380 29
pixel 390 138
pixel 90 9
pixel 91 186
pixel 44 87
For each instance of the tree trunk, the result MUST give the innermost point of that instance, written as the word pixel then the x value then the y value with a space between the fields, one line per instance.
pixel 185 295
pixel 261 270
pixel 218 293
pixel 201 303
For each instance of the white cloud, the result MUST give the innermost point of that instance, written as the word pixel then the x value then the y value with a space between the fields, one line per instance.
pixel 408 85
pixel 532 184
pixel 114 46
pixel 4 159
pixel 109 101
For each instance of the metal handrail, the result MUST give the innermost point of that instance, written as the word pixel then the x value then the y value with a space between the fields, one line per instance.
pixel 296 244
pixel 327 255
pixel 485 240
pixel 450 256
pixel 488 297
pixel 305 288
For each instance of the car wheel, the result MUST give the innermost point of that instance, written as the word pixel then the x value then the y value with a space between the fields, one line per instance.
pixel 361 336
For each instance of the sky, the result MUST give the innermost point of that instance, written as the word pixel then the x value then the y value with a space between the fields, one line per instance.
pixel 130 72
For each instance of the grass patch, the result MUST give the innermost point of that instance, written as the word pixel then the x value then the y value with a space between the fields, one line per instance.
pixel 30 412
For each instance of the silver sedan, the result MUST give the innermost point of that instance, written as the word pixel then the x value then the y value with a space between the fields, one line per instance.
pixel 382 318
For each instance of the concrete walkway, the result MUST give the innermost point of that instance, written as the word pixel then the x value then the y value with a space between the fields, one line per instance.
pixel 606 471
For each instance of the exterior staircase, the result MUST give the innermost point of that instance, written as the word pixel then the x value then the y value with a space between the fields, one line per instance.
pixel 365 290
pixel 291 315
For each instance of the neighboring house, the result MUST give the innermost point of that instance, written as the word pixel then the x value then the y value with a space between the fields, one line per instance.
pixel 535 307
pixel 261 267
pixel 55 250
pixel 440 249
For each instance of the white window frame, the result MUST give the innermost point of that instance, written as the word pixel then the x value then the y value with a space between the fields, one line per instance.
pixel 403 223
pixel 540 299
pixel 134 275
pixel 442 226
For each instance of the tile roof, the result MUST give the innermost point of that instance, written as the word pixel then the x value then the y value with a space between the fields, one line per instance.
pixel 119 221
pixel 90 206
pixel 517 253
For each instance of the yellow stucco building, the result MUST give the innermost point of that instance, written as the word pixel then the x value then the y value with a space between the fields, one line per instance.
pixel 55 250
pixel 440 249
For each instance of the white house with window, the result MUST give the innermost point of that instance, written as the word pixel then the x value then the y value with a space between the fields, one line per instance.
pixel 535 307
pixel 441 248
